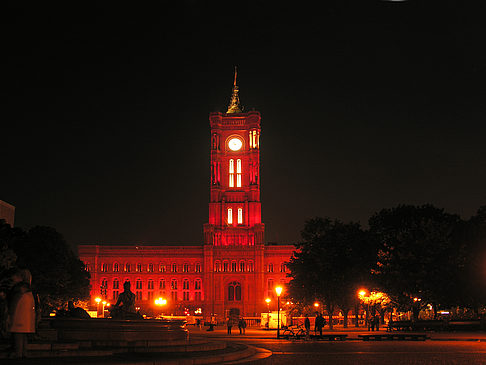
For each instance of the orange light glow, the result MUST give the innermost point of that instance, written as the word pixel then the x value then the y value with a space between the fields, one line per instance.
pixel 278 290
pixel 268 300
pixel 316 304
pixel 160 301
pixel 97 300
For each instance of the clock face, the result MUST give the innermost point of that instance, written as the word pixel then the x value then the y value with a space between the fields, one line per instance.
pixel 235 144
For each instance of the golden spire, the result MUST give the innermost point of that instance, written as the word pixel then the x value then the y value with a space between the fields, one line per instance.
pixel 234 106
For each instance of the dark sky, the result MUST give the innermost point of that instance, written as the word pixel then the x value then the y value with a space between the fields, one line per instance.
pixel 365 105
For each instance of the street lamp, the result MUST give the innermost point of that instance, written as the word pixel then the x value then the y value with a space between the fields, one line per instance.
pixel 160 302
pixel 268 300
pixel 278 290
pixel 98 313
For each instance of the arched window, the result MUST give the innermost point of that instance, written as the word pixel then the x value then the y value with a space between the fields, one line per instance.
pixel 104 287
pixel 104 267
pixel 173 284
pixel 185 268
pixel 238 173
pixel 150 284
pixel 217 266
pixel 185 284
pixel 230 216
pixel 174 267
pixel 240 215
pixel 242 266
pixel 231 181
pixel 234 291
pixel 270 267
pixel 162 284
pixel 250 266
pixel 197 288
pixel 198 267
pixel 162 267
pixel 150 268
pixel 127 267
pixel 138 268
pixel 270 286
pixel 116 286
pixel 225 266
pixel 234 266
pixel 138 284
pixel 116 267
pixel 283 267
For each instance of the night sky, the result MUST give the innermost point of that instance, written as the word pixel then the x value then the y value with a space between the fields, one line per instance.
pixel 365 105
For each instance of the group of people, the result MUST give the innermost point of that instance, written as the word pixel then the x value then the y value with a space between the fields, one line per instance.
pixel 241 325
pixel 20 311
pixel 373 323
pixel 319 324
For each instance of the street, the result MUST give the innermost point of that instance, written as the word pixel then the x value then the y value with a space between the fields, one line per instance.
pixel 443 348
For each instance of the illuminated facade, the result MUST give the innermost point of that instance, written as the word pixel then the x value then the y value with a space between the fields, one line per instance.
pixel 7 212
pixel 233 270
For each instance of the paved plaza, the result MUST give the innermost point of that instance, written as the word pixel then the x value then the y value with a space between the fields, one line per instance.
pixel 441 348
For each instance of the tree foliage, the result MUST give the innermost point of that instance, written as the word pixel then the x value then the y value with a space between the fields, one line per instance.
pixel 57 274
pixel 417 254
pixel 471 275
pixel 330 263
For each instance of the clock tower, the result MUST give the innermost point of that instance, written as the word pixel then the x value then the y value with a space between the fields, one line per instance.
pixel 234 209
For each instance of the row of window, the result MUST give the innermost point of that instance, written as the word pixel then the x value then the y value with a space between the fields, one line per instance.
pixel 197 296
pixel 225 267
pixel 239 217
pixel 104 267
pixel 139 284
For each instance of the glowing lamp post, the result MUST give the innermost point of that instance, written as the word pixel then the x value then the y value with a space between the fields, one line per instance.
pixel 160 302
pixel 98 312
pixel 278 290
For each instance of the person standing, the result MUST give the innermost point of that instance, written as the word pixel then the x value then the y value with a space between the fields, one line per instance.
pixel 319 324
pixel 229 324
pixel 243 325
pixel 372 322
pixel 21 312
pixel 240 325
pixel 307 326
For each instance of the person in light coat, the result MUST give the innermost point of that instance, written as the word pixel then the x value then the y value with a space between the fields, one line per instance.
pixel 21 312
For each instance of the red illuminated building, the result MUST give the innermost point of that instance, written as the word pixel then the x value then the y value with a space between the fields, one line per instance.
pixel 233 270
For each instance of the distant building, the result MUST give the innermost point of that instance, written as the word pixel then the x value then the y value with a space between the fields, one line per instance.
pixel 7 212
pixel 233 270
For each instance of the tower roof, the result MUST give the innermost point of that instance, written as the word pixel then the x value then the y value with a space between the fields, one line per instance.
pixel 234 105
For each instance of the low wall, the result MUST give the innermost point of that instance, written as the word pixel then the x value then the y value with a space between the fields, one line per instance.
pixel 113 330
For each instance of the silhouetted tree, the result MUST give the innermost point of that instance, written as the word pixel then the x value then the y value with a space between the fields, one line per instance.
pixel 471 274
pixel 330 263
pixel 57 274
pixel 418 255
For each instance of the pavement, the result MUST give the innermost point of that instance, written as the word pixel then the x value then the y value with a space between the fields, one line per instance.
pixel 352 332
pixel 262 347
